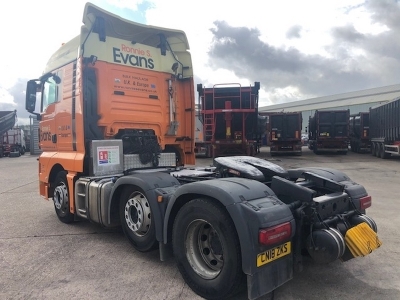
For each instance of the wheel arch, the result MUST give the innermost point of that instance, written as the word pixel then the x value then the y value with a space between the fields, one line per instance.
pixel 174 208
pixel 228 198
pixel 148 183
pixel 55 169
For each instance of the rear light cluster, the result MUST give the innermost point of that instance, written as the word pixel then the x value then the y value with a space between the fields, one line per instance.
pixel 365 202
pixel 275 235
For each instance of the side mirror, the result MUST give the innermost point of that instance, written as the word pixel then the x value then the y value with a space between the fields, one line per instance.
pixel 30 100
pixel 56 79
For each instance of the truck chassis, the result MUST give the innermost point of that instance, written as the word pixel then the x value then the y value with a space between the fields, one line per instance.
pixel 240 220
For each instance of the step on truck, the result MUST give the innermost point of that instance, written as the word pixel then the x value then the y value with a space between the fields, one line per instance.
pixel 359 133
pixel 116 130
pixel 284 132
pixel 384 123
pixel 328 131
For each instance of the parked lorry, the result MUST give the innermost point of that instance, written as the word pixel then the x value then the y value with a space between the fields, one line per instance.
pixel 384 123
pixel 14 142
pixel 359 132
pixel 328 131
pixel 116 130
pixel 7 121
pixel 201 147
pixel 229 113
pixel 27 134
pixel 284 132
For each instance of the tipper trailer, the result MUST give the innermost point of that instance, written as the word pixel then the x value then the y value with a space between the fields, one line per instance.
pixel 384 131
pixel 14 142
pixel 7 122
pixel 229 114
pixel 359 132
pixel 328 131
pixel 284 132
pixel 113 104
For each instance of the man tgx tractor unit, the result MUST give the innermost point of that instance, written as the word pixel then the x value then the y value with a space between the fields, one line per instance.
pixel 117 129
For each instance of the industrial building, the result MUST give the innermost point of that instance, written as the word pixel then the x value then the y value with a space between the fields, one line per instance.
pixel 359 101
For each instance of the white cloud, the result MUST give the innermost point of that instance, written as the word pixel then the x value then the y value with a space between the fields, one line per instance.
pixel 6 98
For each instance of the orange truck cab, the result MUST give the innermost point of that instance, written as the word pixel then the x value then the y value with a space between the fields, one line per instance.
pixel 116 80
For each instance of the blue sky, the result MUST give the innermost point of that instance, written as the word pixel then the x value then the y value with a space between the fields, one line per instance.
pixel 296 49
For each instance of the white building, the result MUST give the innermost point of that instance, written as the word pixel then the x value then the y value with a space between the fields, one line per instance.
pixel 359 101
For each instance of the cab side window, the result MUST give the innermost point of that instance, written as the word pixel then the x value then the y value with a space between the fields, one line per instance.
pixel 50 93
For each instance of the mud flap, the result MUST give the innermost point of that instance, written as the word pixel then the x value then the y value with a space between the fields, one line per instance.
pixel 270 277
pixel 361 240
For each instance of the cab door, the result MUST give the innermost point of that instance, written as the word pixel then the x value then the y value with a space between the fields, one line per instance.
pixel 47 128
pixel 56 127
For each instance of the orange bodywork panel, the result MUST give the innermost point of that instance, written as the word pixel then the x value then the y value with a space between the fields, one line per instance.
pixel 143 99
pixel 109 80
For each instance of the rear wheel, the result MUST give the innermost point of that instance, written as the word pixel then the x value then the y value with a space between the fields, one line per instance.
pixel 207 250
pixel 373 149
pixel 382 152
pixel 136 219
pixel 61 198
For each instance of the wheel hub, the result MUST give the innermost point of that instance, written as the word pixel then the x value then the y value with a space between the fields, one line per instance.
pixel 60 197
pixel 204 249
pixel 138 214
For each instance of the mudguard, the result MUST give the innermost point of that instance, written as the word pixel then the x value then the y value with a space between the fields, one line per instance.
pixel 353 189
pixel 153 184
pixel 328 173
pixel 251 205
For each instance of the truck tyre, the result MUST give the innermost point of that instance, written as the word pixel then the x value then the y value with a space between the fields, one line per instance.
pixel 136 219
pixel 373 149
pixel 208 152
pixel 356 147
pixel 61 198
pixel 382 152
pixel 207 250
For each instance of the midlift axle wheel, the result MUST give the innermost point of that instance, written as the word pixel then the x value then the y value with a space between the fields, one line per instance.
pixel 136 219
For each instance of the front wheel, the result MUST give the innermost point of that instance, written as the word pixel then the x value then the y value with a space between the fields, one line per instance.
pixel 61 198
pixel 136 219
pixel 207 250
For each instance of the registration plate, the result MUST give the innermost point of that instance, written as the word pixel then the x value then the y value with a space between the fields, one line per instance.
pixel 273 254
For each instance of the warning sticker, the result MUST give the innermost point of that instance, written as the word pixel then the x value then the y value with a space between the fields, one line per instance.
pixel 108 155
